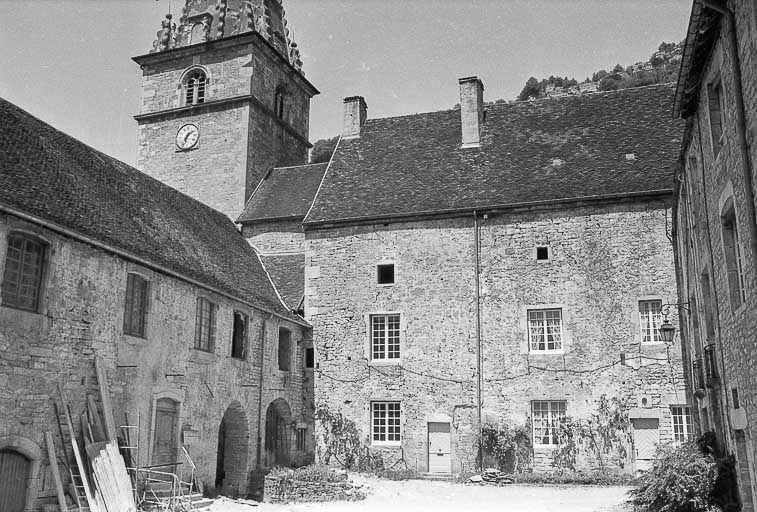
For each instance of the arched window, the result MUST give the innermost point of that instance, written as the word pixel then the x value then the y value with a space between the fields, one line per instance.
pixel 197 82
pixel 278 102
pixel 285 349
pixel 24 268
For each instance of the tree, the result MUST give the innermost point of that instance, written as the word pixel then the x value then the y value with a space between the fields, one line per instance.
pixel 322 150
pixel 531 89
pixel 617 69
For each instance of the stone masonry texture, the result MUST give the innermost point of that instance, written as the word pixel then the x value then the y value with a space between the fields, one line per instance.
pixel 81 315
pixel 603 260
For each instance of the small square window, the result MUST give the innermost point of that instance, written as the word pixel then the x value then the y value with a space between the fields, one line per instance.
pixel 385 273
pixel 309 358
pixel 542 253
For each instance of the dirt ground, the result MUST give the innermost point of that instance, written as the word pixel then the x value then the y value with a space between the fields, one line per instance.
pixel 419 495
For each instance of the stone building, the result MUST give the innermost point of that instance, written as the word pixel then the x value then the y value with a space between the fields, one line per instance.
pixel 499 263
pixel 98 259
pixel 715 227
pixel 224 100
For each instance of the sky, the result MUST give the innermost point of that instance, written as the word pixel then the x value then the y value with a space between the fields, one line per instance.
pixel 68 62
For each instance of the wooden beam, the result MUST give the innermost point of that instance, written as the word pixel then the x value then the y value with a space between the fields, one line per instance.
pixel 110 425
pixel 54 470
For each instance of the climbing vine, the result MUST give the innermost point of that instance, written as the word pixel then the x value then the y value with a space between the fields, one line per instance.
pixel 604 435
pixel 508 447
pixel 341 441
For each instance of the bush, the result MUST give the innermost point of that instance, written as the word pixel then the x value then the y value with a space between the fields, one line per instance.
pixel 680 480
pixel 397 474
pixel 575 478
pixel 312 473
pixel 509 448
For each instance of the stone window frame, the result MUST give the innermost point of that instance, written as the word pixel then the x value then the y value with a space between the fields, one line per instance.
pixel 289 359
pixel 368 349
pixel 145 309
pixel 527 328
pixel 212 323
pixel 551 422
pixel 535 253
pixel 656 337
pixel 178 396
pixel 400 422
pixel 280 96
pixel 46 245
pixel 184 82
pixel 245 336
pixel 733 249
pixel 394 272
pixel 685 423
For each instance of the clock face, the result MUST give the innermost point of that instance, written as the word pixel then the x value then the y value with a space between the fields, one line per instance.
pixel 187 136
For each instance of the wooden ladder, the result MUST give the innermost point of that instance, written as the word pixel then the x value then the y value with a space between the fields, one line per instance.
pixel 76 469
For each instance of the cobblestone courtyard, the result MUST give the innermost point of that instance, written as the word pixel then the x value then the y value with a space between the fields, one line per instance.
pixel 419 495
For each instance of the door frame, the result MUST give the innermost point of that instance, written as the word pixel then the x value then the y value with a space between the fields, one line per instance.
pixel 428 446
pixel 441 418
pixel 177 395
pixel 31 451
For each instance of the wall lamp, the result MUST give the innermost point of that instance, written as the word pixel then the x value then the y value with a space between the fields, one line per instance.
pixel 667 330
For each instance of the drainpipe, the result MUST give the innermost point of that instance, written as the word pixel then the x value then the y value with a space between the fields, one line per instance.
pixel 260 389
pixel 479 379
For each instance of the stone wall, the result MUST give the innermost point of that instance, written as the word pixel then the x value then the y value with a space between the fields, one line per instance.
pixel 241 138
pixel 285 489
pixel 709 181
pixel 603 260
pixel 81 315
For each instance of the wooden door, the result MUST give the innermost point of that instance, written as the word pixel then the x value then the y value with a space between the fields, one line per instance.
pixel 439 448
pixel 14 471
pixel 164 447
pixel 646 437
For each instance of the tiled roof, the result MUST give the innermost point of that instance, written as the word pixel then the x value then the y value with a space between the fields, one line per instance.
pixel 599 144
pixel 285 192
pixel 52 176
pixel 288 274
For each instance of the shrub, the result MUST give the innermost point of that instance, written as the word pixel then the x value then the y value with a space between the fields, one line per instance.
pixel 680 480
pixel 575 478
pixel 397 474
pixel 340 439
pixel 313 473
pixel 508 447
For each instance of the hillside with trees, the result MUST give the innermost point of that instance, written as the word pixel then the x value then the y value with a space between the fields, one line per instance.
pixel 662 67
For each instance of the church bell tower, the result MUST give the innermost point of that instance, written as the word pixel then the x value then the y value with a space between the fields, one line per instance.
pixel 224 100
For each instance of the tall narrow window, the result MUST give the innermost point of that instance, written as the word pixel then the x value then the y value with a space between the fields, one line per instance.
pixel 24 265
pixel 278 102
pixel 707 306
pixel 545 330
pixel 385 423
pixel 717 113
pixel 239 336
pixel 196 85
pixel 547 416
pixel 205 325
pixel 309 358
pixel 733 258
pixel 285 349
pixel 385 337
pixel 680 416
pixel 135 307
pixel 650 316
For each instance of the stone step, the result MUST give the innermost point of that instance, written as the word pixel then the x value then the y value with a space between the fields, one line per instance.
pixel 437 476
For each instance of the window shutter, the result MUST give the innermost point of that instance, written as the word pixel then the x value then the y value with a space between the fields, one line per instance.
pixel 212 329
pixel 198 321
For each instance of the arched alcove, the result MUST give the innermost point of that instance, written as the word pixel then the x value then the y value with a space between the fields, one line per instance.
pixel 278 429
pixel 233 444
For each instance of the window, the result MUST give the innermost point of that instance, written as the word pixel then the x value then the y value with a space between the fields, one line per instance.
pixel 385 273
pixel 239 336
pixel 309 358
pixel 196 84
pixel 385 337
pixel 733 257
pixel 650 319
pixel 205 325
pixel 547 416
pixel 24 265
pixel 680 416
pixel 198 33
pixel 717 113
pixel 385 423
pixel 545 330
pixel 278 102
pixel 301 437
pixel 135 307
pixel 542 253
pixel 285 349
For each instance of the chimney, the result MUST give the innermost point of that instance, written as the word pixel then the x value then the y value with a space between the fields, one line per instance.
pixel 471 110
pixel 355 112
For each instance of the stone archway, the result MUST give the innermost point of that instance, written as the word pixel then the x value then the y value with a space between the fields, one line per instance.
pixel 233 444
pixel 20 458
pixel 278 428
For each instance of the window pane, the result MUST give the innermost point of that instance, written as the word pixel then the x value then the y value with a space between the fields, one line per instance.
pixel 22 277
pixel 545 330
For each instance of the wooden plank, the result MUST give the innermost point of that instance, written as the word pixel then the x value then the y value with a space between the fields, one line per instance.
pixel 94 420
pixel 54 470
pixel 82 471
pixel 110 425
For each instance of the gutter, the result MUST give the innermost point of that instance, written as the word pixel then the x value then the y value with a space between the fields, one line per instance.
pixel 260 390
pixel 137 259
pixel 479 378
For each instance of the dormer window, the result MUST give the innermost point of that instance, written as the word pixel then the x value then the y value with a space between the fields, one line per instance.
pixel 197 82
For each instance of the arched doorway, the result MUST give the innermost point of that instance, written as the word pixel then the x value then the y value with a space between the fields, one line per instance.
pixel 278 442
pixel 233 442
